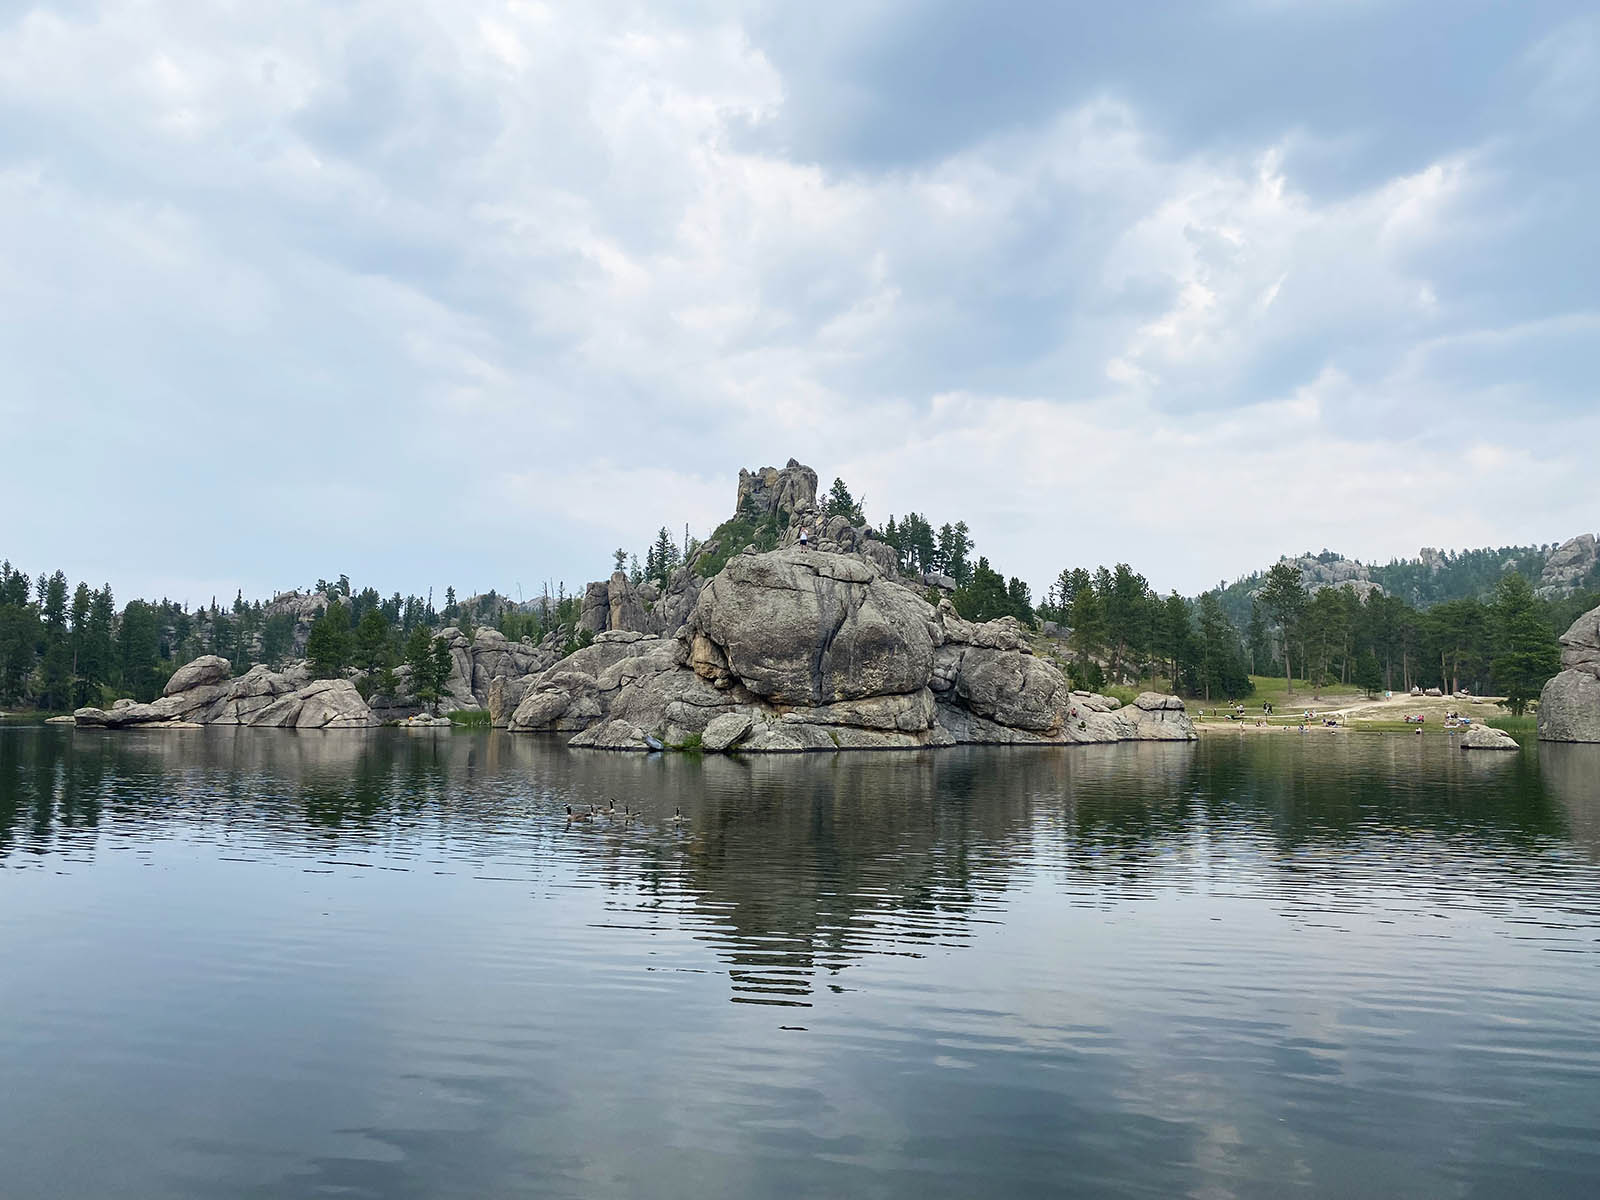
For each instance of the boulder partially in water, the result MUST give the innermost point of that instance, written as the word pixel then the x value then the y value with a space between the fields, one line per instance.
pixel 1482 737
pixel 201 692
pixel 1569 705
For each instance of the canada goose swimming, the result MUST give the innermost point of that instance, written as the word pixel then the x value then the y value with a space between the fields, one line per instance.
pixel 572 816
pixel 677 816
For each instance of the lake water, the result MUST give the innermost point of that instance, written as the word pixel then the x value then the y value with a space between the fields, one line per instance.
pixel 261 963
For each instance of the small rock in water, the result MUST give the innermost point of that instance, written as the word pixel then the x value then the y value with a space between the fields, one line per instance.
pixel 1482 737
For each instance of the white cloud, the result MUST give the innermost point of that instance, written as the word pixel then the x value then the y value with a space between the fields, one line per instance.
pixel 528 255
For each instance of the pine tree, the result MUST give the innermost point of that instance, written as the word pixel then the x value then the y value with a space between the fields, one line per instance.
pixel 373 651
pixel 1284 600
pixel 1177 634
pixel 1527 651
pixel 139 649
pixel 328 645
pixel 663 557
pixel 1087 618
pixel 1020 600
pixel 82 601
pixel 426 681
pixel 1369 673
pixel 958 568
pixel 442 663
pixel 841 503
pixel 100 648
pixel 985 597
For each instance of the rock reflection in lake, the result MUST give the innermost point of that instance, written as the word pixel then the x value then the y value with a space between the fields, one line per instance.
pixel 392 966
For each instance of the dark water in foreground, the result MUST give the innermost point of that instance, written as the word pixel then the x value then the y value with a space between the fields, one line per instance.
pixel 259 963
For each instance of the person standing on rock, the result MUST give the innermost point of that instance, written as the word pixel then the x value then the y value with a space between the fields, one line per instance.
pixel 802 537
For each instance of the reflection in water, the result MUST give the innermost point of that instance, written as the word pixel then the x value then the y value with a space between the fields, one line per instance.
pixel 382 963
pixel 793 866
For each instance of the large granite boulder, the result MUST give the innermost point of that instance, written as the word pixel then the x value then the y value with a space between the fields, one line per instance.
pixel 321 704
pixel 576 692
pixel 1569 705
pixel 804 627
pixel 1569 708
pixel 206 671
pixel 724 732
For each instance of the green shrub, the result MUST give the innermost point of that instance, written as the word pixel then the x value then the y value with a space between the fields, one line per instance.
pixel 471 718
pixel 733 535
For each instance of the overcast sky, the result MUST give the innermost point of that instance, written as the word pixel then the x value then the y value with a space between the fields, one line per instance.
pixel 470 293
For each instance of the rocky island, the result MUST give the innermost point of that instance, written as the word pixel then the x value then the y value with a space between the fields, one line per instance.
pixel 800 647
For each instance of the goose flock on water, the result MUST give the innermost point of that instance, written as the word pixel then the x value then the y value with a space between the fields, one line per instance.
pixel 610 813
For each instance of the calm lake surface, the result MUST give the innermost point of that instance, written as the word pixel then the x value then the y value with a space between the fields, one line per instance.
pixel 261 963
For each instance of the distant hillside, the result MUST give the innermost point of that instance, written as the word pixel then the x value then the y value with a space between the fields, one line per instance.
pixel 1435 576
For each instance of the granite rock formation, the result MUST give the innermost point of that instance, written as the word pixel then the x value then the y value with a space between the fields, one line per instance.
pixel 774 492
pixel 1569 706
pixel 1568 566
pixel 202 692
pixel 813 650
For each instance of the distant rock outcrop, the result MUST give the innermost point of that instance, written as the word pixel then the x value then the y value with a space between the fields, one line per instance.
pixel 817 650
pixel 1318 572
pixel 1568 567
pixel 1569 706
pixel 202 692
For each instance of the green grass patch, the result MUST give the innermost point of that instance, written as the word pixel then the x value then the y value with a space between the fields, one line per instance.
pixel 690 745
pixel 471 718
pixel 1523 724
pixel 1274 690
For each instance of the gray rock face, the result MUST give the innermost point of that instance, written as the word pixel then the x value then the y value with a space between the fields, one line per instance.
pixel 1569 708
pixel 475 666
pixel 675 604
pixel 771 490
pixel 302 608
pixel 1336 573
pixel 613 735
pixel 1568 566
pixel 1569 705
pixel 1481 737
pixel 1580 644
pixel 723 733
pixel 206 671
pixel 201 693
pixel 810 650
pixel 616 605
pixel 321 704
pixel 803 627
